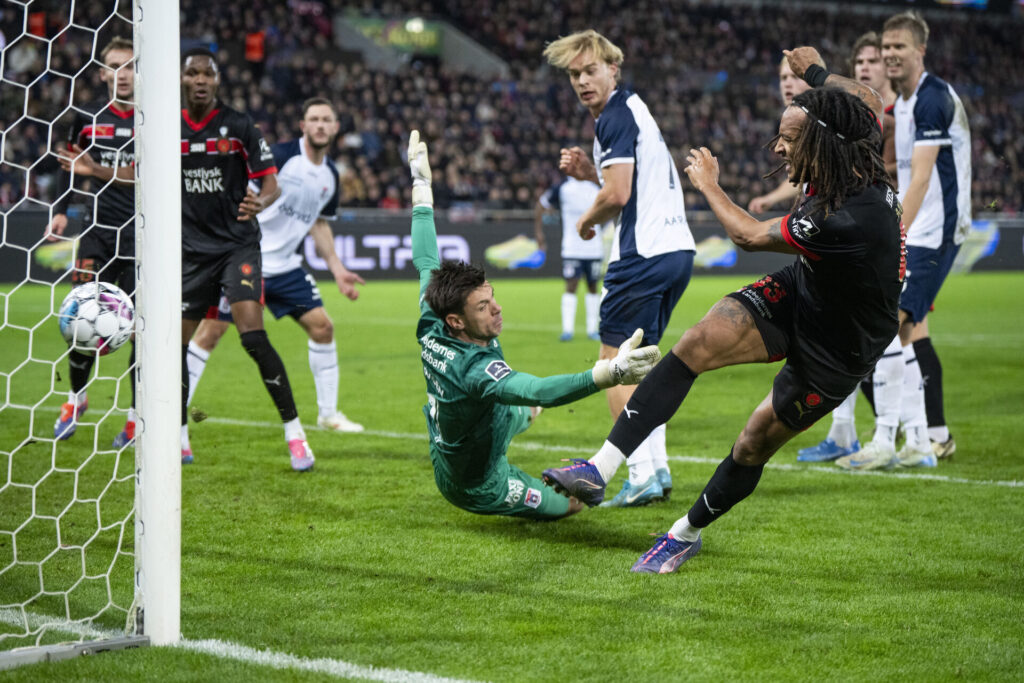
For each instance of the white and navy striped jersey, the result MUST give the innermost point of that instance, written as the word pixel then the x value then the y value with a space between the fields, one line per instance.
pixel 653 221
pixel 572 198
pixel 308 192
pixel 934 115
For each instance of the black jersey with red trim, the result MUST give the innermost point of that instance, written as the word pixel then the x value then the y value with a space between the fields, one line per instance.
pixel 848 278
pixel 107 135
pixel 219 155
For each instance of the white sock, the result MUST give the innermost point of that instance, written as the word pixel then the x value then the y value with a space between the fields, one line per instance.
pixel 293 430
pixel 197 357
pixel 568 312
pixel 592 302
pixel 682 531
pixel 185 445
pixel 78 398
pixel 641 463
pixel 843 430
pixel 913 416
pixel 323 361
pixel 607 461
pixel 659 455
pixel 888 390
pixel 939 434
pixel 131 415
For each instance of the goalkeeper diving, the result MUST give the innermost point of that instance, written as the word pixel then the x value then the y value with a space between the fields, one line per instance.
pixel 476 403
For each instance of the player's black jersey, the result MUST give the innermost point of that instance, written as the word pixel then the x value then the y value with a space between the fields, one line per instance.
pixel 218 157
pixel 107 135
pixel 848 278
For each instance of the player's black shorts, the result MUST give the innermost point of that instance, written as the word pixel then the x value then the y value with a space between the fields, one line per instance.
pixel 101 256
pixel 805 390
pixel 239 273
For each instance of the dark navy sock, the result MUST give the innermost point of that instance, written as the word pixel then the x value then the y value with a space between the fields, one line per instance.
pixel 931 375
pixel 731 483
pixel 275 379
pixel 79 367
pixel 655 400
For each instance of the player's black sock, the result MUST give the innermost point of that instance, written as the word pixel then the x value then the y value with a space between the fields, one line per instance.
pixel 134 371
pixel 184 384
pixel 731 483
pixel 931 375
pixel 867 387
pixel 272 371
pixel 79 367
pixel 655 400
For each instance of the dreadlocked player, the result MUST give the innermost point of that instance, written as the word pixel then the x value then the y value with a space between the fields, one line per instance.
pixel 830 314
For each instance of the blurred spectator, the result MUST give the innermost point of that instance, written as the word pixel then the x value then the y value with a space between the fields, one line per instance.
pixel 707 71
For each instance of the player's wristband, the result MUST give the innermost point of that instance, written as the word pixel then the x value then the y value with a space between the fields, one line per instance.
pixel 815 75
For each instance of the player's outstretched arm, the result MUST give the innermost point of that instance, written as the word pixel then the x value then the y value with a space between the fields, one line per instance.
pixel 807 64
pixel 744 230
pixel 425 256
pixel 629 366
pixel 346 280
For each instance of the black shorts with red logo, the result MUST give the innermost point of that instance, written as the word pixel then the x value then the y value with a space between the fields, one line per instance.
pixel 238 273
pixel 805 390
pixel 107 255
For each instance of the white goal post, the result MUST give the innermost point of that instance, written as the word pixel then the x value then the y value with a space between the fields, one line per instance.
pixel 45 560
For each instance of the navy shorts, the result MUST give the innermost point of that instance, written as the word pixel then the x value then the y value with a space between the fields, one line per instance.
pixel 294 293
pixel 575 268
pixel 926 271
pixel 642 292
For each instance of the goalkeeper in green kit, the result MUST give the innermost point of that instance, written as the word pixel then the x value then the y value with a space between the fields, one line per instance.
pixel 476 403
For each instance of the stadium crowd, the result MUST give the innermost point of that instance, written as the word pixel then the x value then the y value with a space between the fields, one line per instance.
pixel 708 72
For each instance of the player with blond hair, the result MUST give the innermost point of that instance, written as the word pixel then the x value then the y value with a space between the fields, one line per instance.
pixel 652 252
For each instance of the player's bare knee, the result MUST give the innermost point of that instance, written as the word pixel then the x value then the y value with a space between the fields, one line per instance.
pixel 318 326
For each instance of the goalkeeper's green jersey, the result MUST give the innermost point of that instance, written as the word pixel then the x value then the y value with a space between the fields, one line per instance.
pixel 471 388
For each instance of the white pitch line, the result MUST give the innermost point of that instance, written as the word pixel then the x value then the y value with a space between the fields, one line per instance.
pixel 234 651
pixel 692 459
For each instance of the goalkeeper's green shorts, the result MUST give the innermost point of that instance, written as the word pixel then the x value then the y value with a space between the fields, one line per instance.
pixel 516 495
pixel 509 491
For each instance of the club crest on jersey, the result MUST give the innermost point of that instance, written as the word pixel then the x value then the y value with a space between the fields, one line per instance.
pixel 223 144
pixel 497 369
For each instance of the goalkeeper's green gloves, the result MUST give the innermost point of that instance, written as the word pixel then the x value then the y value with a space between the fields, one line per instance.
pixel 629 366
pixel 419 166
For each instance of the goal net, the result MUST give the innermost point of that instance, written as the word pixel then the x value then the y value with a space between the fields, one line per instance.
pixel 89 496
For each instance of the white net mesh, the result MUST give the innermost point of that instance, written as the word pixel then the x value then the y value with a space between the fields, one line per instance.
pixel 66 505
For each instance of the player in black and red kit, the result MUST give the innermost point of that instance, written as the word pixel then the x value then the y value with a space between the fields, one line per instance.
pixel 101 152
pixel 829 315
pixel 221 151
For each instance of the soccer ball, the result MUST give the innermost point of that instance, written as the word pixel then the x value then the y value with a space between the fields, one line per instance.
pixel 96 317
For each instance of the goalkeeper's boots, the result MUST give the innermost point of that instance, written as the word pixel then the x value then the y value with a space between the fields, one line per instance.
pixel 565 336
pixel 594 336
pixel 302 455
pixel 917 456
pixel 636 495
pixel 874 456
pixel 581 480
pixel 126 436
pixel 666 555
pixel 67 423
pixel 665 479
pixel 825 451
pixel 338 423
pixel 186 456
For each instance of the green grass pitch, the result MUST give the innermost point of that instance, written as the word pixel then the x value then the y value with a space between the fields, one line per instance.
pixel 818 575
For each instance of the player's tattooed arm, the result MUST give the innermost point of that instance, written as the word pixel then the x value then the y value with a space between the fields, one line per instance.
pixel 774 240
